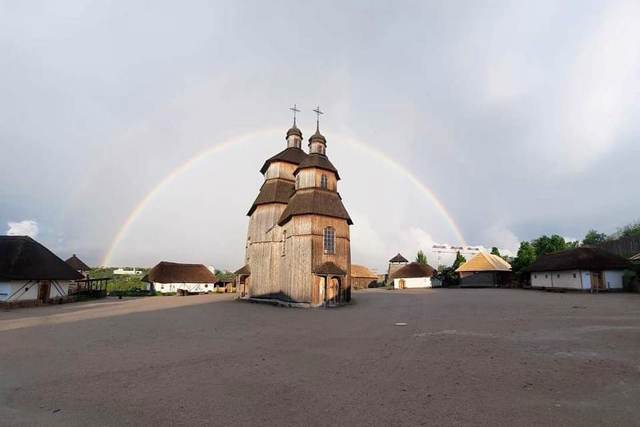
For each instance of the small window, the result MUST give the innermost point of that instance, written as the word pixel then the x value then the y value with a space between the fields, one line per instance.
pixel 558 275
pixel 206 285
pixel 535 276
pixel 324 182
pixel 545 276
pixel 574 275
pixel 329 240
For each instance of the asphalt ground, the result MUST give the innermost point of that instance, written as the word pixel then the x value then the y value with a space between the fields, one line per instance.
pixel 465 357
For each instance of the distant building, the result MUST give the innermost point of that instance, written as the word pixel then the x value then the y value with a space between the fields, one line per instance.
pixel 584 268
pixel 484 269
pixel 126 272
pixel 173 277
pixel 395 264
pixel 31 272
pixel 415 275
pixel 362 277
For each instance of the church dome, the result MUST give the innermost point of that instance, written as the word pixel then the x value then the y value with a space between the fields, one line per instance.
pixel 318 137
pixel 294 131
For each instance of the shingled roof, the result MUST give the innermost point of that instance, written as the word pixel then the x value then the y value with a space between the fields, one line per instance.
pixel 398 258
pixel 329 268
pixel 317 202
pixel 483 261
pixel 243 270
pixel 582 258
pixel 317 160
pixel 412 270
pixel 77 264
pixel 292 155
pixel 273 191
pixel 173 272
pixel 22 258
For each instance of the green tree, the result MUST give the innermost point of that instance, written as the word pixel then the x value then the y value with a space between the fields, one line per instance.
pixel 421 258
pixel 547 244
pixel 460 259
pixel 593 238
pixel 525 257
pixel 495 251
pixel 629 230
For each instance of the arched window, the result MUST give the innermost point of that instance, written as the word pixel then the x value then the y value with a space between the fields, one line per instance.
pixel 324 182
pixel 329 240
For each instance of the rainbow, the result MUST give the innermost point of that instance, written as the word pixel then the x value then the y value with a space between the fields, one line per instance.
pixel 137 210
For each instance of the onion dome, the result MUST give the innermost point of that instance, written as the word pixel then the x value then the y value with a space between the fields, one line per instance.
pixel 318 137
pixel 294 131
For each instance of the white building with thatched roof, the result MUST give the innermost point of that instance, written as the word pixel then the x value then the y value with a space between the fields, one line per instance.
pixel 584 268
pixel 31 272
pixel 415 275
pixel 172 277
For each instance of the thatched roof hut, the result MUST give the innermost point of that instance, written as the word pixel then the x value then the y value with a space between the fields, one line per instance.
pixel 484 270
pixel 77 264
pixel 414 270
pixel 173 272
pixel 582 258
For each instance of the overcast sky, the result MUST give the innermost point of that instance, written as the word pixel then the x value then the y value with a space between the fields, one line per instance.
pixel 522 118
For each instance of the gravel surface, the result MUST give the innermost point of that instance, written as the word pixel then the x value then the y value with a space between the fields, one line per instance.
pixel 415 357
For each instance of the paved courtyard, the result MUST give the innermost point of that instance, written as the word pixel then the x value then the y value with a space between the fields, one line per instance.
pixel 465 356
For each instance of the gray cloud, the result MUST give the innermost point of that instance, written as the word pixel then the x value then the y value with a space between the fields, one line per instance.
pixel 521 117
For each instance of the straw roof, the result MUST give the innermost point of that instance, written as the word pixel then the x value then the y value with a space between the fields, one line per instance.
pixel 22 258
pixel 273 191
pixel 173 272
pixel 483 261
pixel 398 258
pixel 582 258
pixel 293 155
pixel 315 201
pixel 77 264
pixel 329 268
pixel 362 271
pixel 413 270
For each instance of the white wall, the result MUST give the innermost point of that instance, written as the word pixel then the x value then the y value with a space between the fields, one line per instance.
pixel 414 282
pixel 190 287
pixel 29 292
pixel 566 279
pixel 571 279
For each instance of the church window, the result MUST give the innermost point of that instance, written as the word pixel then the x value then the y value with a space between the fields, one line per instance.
pixel 324 182
pixel 329 240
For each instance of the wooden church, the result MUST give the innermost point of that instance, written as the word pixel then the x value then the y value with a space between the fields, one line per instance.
pixel 297 248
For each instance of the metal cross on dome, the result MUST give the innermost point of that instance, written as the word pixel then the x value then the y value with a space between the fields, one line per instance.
pixel 318 112
pixel 295 110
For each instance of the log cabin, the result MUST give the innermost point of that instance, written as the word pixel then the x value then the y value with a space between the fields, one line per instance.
pixel 298 244
pixel 362 277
